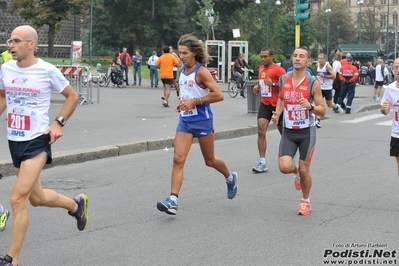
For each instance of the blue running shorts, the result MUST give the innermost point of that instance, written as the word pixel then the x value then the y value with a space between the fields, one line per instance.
pixel 196 128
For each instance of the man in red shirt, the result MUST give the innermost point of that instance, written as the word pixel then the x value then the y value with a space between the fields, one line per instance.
pixel 348 75
pixel 125 63
pixel 268 74
pixel 345 60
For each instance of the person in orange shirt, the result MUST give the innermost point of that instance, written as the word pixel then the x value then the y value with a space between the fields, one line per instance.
pixel 165 63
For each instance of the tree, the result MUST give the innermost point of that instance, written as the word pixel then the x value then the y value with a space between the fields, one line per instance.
pixel 48 12
pixel 342 28
pixel 371 22
pixel 285 33
pixel 206 18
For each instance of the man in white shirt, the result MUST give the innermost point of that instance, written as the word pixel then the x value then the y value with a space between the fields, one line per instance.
pixel 26 84
pixel 390 100
pixel 153 70
pixel 379 79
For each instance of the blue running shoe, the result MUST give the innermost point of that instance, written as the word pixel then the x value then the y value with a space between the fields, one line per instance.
pixel 81 215
pixel 3 219
pixel 232 186
pixel 5 261
pixel 168 206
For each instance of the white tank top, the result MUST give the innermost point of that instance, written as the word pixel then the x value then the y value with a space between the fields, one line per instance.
pixel 325 84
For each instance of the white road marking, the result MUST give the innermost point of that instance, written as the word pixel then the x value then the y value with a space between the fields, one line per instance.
pixel 362 119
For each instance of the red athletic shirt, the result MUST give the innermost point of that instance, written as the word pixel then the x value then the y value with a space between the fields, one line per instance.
pixel 269 94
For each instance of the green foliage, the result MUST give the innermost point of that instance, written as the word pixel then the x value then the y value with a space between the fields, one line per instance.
pixel 286 37
pixel 201 19
pixel 50 12
pixel 342 28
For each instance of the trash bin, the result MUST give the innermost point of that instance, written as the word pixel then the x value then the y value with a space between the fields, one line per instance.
pixel 253 100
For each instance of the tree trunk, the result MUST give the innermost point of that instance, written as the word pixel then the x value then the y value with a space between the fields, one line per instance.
pixel 51 34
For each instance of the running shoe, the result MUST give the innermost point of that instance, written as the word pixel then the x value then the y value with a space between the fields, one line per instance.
pixel 3 219
pixel 335 110
pixel 5 261
pixel 318 123
pixel 340 110
pixel 163 98
pixel 297 181
pixel 232 186
pixel 165 103
pixel 168 206
pixel 374 99
pixel 304 207
pixel 260 168
pixel 81 214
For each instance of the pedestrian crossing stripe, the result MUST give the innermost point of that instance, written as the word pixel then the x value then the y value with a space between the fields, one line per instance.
pixel 386 123
pixel 362 119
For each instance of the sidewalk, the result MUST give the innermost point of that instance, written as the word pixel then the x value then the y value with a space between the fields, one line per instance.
pixel 132 119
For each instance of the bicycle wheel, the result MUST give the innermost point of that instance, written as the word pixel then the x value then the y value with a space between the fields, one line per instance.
pixel 244 91
pixel 120 83
pixel 102 80
pixel 108 81
pixel 232 89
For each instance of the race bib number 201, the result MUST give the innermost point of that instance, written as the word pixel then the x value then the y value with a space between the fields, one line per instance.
pixel 18 121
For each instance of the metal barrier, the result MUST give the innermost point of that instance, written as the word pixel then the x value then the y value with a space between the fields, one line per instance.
pixel 80 78
pixel 253 100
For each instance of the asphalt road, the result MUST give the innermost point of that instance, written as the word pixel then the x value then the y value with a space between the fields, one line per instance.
pixel 132 119
pixel 354 206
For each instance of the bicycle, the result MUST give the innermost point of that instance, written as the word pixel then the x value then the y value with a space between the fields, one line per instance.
pixel 232 86
pixel 106 79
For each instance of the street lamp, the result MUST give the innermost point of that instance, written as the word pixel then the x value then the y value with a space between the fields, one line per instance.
pixel 387 42
pixel 91 32
pixel 328 11
pixel 360 3
pixel 278 3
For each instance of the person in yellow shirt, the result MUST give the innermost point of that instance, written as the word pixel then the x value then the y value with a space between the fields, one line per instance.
pixel 5 56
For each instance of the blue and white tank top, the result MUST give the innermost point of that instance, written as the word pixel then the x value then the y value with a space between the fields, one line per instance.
pixel 189 89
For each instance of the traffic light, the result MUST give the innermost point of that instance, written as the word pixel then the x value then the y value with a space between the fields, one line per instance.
pixel 301 10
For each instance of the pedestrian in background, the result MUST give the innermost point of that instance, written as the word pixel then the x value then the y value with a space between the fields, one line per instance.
pixel 5 57
pixel 153 70
pixel 198 90
pixel 137 60
pixel 30 142
pixel 348 75
pixel 325 76
pixel 166 63
pixel 175 69
pixel 269 74
pixel 379 79
pixel 125 62
pixel 300 99
pixel 287 63
pixel 390 100
pixel 337 83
